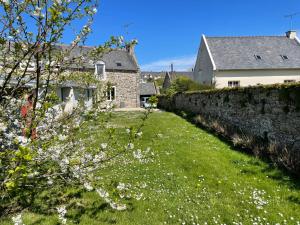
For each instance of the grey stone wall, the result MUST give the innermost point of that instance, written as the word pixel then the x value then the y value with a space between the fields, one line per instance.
pixel 265 119
pixel 127 88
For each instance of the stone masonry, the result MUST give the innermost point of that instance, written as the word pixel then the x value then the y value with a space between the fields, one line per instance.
pixel 127 88
pixel 269 116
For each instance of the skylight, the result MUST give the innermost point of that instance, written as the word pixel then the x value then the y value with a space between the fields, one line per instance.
pixel 284 57
pixel 258 57
pixel 119 63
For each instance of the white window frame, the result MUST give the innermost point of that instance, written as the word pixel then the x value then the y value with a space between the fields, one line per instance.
pixel 31 66
pixel 234 83
pixel 109 94
pixel 103 71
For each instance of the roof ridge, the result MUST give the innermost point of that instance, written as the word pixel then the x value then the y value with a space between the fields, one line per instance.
pixel 249 36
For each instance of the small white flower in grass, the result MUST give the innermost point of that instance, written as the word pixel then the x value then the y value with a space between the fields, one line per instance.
pixel 62 211
pixel 119 207
pixel 103 146
pixel 139 196
pixel 88 186
pixel 159 135
pixel 138 154
pixel 121 186
pixel 130 146
pixel 17 220
pixel 102 193
pixel 139 134
pixel 128 131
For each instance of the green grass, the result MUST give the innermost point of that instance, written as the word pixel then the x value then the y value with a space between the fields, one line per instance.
pixel 194 178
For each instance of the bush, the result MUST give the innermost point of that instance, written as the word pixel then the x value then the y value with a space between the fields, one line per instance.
pixel 184 84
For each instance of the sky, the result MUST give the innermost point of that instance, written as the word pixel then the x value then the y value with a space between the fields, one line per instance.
pixel 169 31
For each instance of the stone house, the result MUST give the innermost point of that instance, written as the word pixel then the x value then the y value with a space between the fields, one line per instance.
pixel 117 69
pixel 248 61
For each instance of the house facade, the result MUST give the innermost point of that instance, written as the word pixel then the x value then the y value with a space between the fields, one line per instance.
pixel 117 71
pixel 147 90
pixel 248 61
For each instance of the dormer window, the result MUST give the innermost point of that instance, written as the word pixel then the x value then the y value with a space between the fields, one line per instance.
pixel 258 57
pixel 29 66
pixel 100 70
pixel 284 57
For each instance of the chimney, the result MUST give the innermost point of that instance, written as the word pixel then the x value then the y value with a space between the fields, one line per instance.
pixel 130 49
pixel 172 68
pixel 292 34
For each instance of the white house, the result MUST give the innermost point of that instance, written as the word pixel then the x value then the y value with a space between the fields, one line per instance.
pixel 248 61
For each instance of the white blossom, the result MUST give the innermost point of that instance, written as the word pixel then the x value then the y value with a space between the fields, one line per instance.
pixel 88 186
pixel 17 220
pixel 62 211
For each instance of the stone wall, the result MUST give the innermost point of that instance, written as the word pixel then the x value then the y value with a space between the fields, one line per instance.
pixel 265 119
pixel 127 88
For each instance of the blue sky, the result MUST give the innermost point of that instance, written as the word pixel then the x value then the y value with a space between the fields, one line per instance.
pixel 170 30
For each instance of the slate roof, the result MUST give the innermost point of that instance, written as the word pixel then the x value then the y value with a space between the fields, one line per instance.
pixel 163 74
pixel 147 89
pixel 112 59
pixel 238 53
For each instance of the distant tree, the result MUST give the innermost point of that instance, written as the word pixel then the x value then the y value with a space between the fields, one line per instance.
pixel 184 84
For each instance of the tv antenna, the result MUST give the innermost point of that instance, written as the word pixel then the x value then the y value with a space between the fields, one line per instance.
pixel 126 27
pixel 291 17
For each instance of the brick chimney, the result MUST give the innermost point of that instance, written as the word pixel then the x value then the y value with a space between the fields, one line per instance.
pixel 292 34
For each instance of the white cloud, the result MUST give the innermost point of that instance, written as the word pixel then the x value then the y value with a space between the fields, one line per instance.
pixel 183 63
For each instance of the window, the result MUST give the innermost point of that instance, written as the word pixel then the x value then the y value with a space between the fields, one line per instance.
pixel 284 57
pixel 289 81
pixel 258 57
pixel 233 83
pixel 100 70
pixel 88 94
pixel 111 93
pixel 65 93
pixel 29 65
pixel 119 64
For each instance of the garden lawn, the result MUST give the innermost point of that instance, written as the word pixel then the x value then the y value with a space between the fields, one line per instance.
pixel 193 178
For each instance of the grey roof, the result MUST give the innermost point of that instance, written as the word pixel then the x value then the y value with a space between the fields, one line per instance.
pixel 163 74
pixel 153 74
pixel 147 89
pixel 235 53
pixel 117 59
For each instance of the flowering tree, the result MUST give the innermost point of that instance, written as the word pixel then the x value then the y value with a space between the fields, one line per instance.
pixel 30 32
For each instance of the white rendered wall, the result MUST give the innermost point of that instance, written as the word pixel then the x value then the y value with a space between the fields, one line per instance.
pixel 255 77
